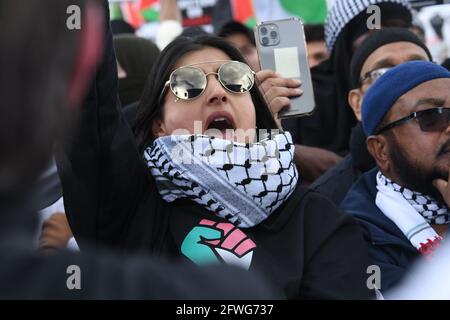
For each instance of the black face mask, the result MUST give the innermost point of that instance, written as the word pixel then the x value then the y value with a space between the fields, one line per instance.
pixel 136 56
pixel 414 177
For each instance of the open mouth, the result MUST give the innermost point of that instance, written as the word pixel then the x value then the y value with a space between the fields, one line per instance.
pixel 219 123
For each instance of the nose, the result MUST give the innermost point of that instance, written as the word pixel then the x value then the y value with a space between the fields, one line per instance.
pixel 216 93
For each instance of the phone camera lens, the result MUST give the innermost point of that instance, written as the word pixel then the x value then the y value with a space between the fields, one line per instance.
pixel 263 30
pixel 273 34
pixel 265 41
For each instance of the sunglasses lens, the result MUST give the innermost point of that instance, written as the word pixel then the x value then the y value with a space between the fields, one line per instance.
pixel 187 83
pixel 236 76
pixel 434 120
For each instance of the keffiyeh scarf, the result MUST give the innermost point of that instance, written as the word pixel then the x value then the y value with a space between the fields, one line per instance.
pixel 243 183
pixel 412 212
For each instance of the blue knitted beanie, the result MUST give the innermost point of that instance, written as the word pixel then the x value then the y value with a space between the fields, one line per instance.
pixel 383 94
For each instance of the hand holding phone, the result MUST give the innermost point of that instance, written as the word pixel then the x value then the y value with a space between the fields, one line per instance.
pixel 282 48
pixel 277 90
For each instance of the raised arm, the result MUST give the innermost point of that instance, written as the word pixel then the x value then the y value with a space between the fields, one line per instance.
pixel 100 168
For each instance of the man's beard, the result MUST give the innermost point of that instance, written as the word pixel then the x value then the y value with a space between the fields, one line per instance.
pixel 413 176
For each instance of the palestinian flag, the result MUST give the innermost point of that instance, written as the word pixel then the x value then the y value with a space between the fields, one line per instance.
pixel 195 12
pixel 243 12
pixel 140 11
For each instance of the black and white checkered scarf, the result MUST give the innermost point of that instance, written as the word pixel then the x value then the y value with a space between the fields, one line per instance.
pixel 243 183
pixel 341 12
pixel 413 213
pixel 433 211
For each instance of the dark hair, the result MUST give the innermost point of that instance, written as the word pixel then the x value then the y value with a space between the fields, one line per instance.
pixel 193 32
pixel 121 27
pixel 151 106
pixel 38 54
pixel 314 32
pixel 233 27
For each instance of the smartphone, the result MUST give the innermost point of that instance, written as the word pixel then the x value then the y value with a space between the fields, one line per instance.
pixel 281 47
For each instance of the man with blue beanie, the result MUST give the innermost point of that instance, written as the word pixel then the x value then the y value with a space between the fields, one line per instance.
pixel 403 204
pixel 380 51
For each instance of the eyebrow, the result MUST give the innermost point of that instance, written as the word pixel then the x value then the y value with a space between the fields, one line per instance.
pixel 429 101
pixel 387 62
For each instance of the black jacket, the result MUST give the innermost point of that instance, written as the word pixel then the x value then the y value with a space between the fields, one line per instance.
pixel 111 200
pixel 27 274
pixel 336 182
pixel 388 247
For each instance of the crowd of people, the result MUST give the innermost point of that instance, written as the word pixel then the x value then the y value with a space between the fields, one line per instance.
pixel 161 169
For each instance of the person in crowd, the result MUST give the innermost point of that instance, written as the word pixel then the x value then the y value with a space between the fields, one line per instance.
pixel 49 186
pixel 170 23
pixel 378 53
pixel 56 232
pixel 42 89
pixel 193 32
pixel 242 38
pixel 418 29
pixel 136 56
pixel 312 162
pixel 401 204
pixel 119 26
pixel 446 64
pixel 197 182
pixel 315 43
pixel 52 228
pixel 50 202
pixel 346 26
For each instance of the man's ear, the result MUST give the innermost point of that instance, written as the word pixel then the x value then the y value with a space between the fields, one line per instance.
pixel 355 101
pixel 379 149
pixel 158 128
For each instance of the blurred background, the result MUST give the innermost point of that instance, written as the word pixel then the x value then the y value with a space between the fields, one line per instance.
pixel 432 17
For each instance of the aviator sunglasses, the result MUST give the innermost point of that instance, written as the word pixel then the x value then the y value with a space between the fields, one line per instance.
pixel 189 82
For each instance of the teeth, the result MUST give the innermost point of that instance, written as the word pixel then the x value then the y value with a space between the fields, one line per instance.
pixel 220 119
